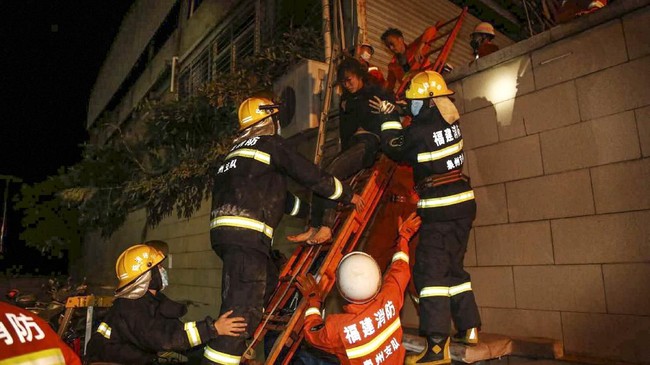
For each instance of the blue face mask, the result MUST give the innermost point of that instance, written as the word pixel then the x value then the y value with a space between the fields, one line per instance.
pixel 164 276
pixel 416 106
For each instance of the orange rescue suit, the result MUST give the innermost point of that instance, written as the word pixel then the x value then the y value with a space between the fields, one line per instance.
pixel 369 333
pixel 396 72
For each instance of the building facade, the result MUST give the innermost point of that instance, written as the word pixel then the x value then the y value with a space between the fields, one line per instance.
pixel 557 132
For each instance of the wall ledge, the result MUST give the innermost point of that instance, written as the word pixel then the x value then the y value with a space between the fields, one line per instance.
pixel 614 11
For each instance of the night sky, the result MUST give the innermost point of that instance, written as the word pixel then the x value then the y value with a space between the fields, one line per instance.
pixel 51 53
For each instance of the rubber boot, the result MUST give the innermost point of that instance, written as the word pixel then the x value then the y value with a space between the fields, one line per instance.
pixel 436 352
pixel 469 337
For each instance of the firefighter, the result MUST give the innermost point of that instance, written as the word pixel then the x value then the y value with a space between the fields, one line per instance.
pixel 360 131
pixel 406 58
pixel 27 339
pixel 569 9
pixel 369 329
pixel 481 40
pixel 433 145
pixel 143 321
pixel 248 201
pixel 375 76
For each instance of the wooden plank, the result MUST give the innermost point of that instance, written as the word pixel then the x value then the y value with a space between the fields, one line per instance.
pixel 493 346
pixel 537 347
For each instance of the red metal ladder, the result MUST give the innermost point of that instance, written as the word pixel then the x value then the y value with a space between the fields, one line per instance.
pixel 442 30
pixel 321 261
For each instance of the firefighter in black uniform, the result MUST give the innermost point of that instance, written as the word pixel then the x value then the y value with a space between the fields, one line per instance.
pixel 433 145
pixel 143 321
pixel 249 198
pixel 360 129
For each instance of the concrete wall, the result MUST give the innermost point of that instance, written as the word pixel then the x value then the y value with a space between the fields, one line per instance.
pixel 557 131
pixel 136 31
pixel 137 28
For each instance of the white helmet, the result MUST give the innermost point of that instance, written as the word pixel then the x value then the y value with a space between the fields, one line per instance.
pixel 358 277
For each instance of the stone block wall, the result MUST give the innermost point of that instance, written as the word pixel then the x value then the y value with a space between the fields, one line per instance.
pixel 558 135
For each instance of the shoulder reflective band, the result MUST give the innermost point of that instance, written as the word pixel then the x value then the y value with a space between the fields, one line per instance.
pixel 250 153
pixel 391 125
pixel 338 189
pixel 400 256
pixel 220 357
pixel 376 342
pixel 192 333
pixel 296 206
pixel 455 290
pixel 104 330
pixel 436 155
pixel 312 310
pixel 446 200
pixel 434 291
pixel 241 222
pixel 45 357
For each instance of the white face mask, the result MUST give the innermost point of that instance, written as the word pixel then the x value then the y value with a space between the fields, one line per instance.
pixel 366 56
pixel 164 276
pixel 416 105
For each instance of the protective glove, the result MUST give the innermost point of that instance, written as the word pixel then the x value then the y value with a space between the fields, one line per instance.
pixel 408 227
pixel 309 289
pixel 379 106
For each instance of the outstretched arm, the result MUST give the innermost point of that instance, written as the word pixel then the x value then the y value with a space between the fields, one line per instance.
pixel 399 273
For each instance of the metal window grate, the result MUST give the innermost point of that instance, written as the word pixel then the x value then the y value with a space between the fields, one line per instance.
pixel 236 39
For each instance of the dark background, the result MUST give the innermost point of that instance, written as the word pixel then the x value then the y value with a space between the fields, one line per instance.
pixel 51 53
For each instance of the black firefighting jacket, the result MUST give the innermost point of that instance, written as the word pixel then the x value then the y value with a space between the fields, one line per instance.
pixel 250 191
pixel 433 148
pixel 134 330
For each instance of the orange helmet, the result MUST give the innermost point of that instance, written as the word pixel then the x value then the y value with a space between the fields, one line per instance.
pixel 427 84
pixel 135 261
pixel 484 28
pixel 250 112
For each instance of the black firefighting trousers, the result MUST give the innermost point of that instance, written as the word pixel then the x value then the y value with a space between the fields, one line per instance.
pixel 248 280
pixel 443 284
pixel 359 156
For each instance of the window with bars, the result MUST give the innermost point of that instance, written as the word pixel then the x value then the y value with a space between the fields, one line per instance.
pixel 235 39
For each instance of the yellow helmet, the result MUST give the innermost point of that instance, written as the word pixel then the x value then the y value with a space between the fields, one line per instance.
pixel 427 84
pixel 135 261
pixel 250 112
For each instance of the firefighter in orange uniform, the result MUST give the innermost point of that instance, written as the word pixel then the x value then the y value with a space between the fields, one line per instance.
pixel 481 40
pixel 375 76
pixel 406 58
pixel 27 339
pixel 369 331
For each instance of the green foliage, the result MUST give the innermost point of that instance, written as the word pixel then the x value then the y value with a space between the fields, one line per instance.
pixel 163 162
pixel 51 224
